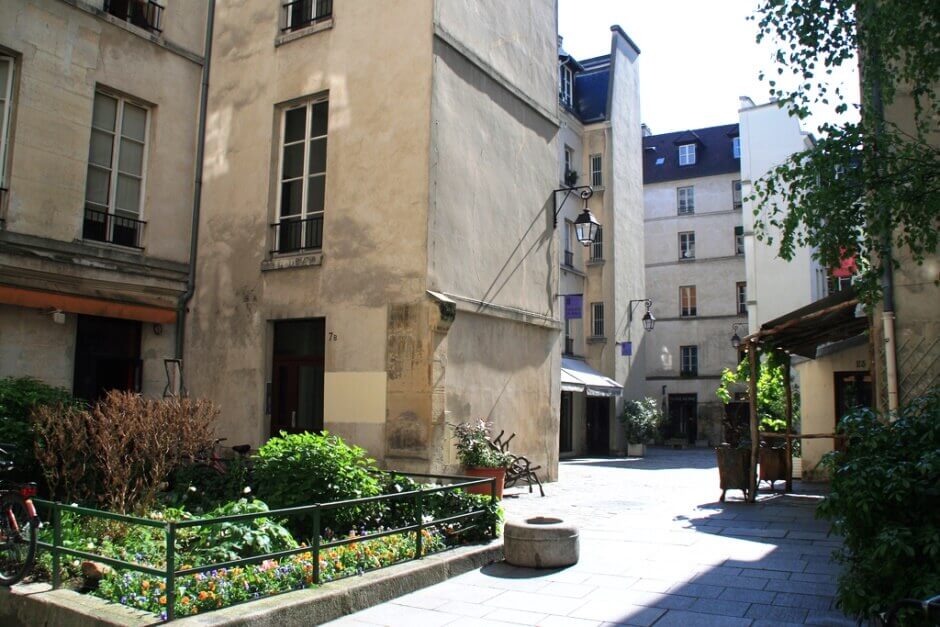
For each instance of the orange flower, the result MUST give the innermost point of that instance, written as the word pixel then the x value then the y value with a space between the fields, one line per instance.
pixel 203 595
pixel 185 600
pixel 145 584
pixel 163 600
pixel 162 586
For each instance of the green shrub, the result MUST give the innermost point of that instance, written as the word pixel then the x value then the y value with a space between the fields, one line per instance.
pixel 200 488
pixel 18 398
pixel 885 503
pixel 641 420
pixel 307 468
pixel 230 541
pixel 474 448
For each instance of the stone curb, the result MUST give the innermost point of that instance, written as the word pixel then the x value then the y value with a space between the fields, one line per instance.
pixel 38 604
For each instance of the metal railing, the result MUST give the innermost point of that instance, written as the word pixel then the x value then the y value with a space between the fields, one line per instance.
pixel 171 572
pixel 297 235
pixel 102 226
pixel 147 14
pixel 302 13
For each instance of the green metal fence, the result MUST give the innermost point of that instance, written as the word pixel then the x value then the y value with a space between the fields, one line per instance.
pixel 170 573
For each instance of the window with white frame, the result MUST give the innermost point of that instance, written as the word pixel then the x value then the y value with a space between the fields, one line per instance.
pixel 739 240
pixel 565 83
pixel 741 295
pixel 303 13
pixel 597 319
pixel 117 155
pixel 568 237
pixel 685 200
pixel 736 194
pixel 687 245
pixel 687 154
pixel 569 164
pixel 736 147
pixel 687 301
pixel 597 178
pixel 6 112
pixel 302 177
pixel 688 360
pixel 597 247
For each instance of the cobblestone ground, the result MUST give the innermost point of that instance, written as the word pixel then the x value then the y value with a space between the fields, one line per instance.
pixel 656 549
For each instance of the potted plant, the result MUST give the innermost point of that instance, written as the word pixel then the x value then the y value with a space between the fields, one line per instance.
pixel 734 453
pixel 479 457
pixel 641 420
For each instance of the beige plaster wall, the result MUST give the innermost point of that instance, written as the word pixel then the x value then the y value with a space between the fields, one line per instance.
pixel 817 402
pixel 63 54
pixel 375 65
pixel 31 344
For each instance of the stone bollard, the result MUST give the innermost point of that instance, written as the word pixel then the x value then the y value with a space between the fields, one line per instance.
pixel 540 542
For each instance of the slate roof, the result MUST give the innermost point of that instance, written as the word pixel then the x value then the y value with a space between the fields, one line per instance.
pixel 591 84
pixel 713 154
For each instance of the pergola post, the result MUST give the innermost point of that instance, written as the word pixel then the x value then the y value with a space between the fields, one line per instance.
pixel 788 396
pixel 752 402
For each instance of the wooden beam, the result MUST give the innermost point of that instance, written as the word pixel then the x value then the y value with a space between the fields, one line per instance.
pixel 755 437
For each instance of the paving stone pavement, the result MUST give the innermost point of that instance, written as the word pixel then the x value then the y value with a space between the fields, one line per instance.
pixel 656 549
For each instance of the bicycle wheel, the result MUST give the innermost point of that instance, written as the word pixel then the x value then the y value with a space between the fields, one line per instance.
pixel 17 539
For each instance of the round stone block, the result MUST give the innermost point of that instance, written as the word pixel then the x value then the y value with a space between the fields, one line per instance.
pixel 540 542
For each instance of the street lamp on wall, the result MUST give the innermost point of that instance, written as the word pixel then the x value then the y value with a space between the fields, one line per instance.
pixel 649 320
pixel 586 225
pixel 736 339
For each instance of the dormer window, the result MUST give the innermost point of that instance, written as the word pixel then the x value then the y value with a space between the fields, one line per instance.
pixel 566 81
pixel 736 147
pixel 687 154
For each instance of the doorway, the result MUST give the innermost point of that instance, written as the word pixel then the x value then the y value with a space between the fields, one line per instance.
pixel 107 357
pixel 598 425
pixel 683 417
pixel 297 376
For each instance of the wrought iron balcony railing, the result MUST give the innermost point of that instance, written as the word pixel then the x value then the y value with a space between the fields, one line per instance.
pixel 101 226
pixel 302 13
pixel 147 14
pixel 293 235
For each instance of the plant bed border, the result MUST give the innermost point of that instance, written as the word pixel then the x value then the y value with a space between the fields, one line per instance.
pixel 171 572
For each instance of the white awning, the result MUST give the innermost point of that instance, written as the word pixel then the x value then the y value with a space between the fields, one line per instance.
pixel 577 376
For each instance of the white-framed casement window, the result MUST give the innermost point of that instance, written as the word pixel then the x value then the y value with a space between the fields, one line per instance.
pixel 688 361
pixel 567 238
pixel 740 289
pixel 597 319
pixel 565 84
pixel 687 154
pixel 685 200
pixel 597 177
pixel 597 247
pixel 687 301
pixel 569 166
pixel 7 67
pixel 736 194
pixel 739 240
pixel 736 147
pixel 303 13
pixel 687 245
pixel 301 195
pixel 117 161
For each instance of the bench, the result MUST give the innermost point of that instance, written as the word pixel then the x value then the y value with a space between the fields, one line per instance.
pixel 520 468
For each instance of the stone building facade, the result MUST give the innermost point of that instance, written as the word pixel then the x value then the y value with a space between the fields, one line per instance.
pixel 99 110
pixel 376 253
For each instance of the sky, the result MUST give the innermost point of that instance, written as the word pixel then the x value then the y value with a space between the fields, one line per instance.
pixel 697 56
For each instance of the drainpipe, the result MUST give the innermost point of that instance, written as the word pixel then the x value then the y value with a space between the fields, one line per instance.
pixel 197 187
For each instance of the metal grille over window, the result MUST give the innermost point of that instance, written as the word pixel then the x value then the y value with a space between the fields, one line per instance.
pixel 597 319
pixel 302 190
pixel 303 13
pixel 686 200
pixel 114 188
pixel 597 248
pixel 597 178
pixel 146 14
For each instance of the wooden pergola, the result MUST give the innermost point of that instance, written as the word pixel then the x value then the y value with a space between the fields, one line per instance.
pixel 800 332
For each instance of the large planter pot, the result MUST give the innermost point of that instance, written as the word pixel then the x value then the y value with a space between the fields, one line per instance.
pixel 773 464
pixel 484 488
pixel 636 450
pixel 734 465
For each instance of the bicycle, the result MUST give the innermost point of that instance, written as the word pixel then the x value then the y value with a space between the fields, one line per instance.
pixel 19 524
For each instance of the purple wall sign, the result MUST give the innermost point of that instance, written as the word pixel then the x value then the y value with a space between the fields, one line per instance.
pixel 573 305
pixel 626 349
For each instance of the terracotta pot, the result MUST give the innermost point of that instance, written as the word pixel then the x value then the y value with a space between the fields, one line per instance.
pixel 484 488
pixel 636 450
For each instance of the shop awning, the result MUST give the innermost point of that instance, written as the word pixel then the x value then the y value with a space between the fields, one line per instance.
pixel 577 376
pixel 36 299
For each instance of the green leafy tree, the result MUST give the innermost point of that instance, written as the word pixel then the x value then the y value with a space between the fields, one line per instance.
pixel 771 394
pixel 868 187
